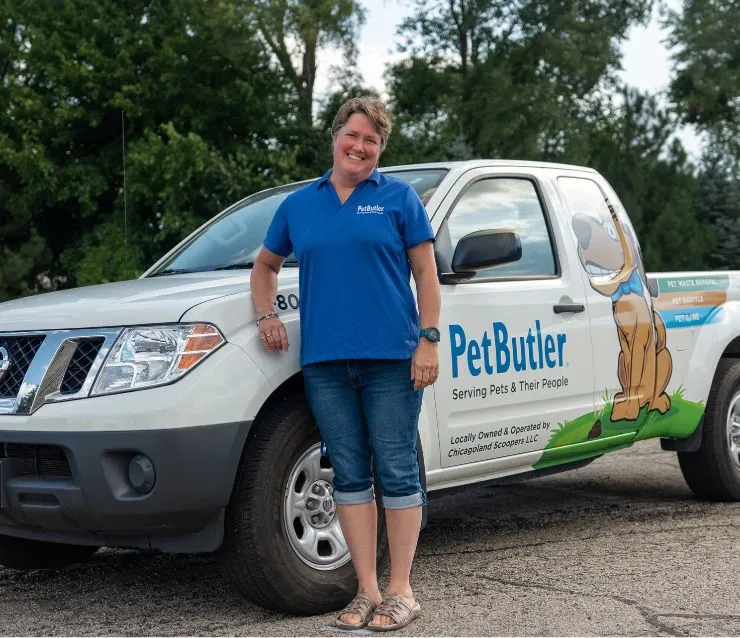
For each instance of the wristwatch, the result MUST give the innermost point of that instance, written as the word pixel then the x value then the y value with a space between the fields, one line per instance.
pixel 432 334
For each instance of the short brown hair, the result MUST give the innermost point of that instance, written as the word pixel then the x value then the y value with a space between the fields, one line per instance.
pixel 373 108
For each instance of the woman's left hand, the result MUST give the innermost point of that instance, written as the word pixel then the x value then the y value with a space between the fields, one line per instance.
pixel 424 364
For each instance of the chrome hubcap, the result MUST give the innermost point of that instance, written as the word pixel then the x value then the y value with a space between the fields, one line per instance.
pixel 309 514
pixel 733 431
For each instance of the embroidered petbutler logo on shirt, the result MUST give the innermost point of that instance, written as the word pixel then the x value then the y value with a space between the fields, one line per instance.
pixel 373 209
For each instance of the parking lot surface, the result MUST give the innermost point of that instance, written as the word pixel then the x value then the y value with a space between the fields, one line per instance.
pixel 620 547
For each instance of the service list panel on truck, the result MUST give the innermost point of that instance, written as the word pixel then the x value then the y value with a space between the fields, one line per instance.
pixel 146 413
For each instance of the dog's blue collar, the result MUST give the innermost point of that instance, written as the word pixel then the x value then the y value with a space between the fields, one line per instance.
pixel 633 284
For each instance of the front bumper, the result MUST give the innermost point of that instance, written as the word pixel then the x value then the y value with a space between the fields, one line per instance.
pixel 193 431
pixel 97 505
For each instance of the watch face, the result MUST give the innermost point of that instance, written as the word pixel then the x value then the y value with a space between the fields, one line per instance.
pixel 432 334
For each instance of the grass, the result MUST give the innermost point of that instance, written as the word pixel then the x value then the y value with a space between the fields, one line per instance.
pixel 679 422
pixel 678 394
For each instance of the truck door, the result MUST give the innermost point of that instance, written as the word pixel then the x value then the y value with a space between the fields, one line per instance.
pixel 515 357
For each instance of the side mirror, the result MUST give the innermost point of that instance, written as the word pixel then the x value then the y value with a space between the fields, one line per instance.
pixel 481 250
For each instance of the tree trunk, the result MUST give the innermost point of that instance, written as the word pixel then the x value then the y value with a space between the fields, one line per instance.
pixel 308 74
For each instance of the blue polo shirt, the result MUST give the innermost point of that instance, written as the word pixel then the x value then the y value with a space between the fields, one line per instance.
pixel 355 294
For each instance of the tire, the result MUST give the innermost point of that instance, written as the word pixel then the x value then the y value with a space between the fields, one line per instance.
pixel 713 471
pixel 23 553
pixel 268 513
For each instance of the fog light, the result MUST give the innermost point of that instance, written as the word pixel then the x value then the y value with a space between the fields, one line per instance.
pixel 141 474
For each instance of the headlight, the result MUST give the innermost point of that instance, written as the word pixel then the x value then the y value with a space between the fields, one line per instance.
pixel 155 355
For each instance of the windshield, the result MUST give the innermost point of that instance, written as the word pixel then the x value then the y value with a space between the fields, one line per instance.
pixel 233 240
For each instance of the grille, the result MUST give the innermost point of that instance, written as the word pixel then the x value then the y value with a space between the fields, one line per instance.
pixel 80 365
pixel 22 351
pixel 37 461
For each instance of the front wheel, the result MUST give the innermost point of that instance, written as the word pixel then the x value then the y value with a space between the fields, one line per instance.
pixel 23 553
pixel 283 546
pixel 713 472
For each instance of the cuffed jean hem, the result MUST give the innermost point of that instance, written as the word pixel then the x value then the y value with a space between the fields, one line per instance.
pixel 404 502
pixel 354 498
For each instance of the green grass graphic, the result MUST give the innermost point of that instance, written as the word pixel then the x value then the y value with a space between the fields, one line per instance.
pixel 595 433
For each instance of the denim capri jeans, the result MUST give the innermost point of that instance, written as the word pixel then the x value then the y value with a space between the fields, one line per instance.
pixel 367 411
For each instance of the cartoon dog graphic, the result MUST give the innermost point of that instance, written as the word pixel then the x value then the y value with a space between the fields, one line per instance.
pixel 613 264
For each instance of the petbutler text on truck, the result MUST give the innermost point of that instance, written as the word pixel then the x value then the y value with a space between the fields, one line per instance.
pixel 146 414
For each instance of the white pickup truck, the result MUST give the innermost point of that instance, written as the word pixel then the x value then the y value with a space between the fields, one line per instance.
pixel 146 414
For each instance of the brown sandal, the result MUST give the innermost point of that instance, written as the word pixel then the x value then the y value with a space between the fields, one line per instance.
pixel 397 609
pixel 360 605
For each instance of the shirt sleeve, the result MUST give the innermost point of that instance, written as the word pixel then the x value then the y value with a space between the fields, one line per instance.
pixel 415 221
pixel 278 234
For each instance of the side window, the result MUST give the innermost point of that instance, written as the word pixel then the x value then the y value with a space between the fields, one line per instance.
pixel 506 203
pixel 594 232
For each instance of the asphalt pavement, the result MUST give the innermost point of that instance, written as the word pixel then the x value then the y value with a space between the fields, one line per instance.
pixel 620 547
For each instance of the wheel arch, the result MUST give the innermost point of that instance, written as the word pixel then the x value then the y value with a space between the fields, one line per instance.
pixel 712 471
pixel 693 443
pixel 732 349
pixel 290 387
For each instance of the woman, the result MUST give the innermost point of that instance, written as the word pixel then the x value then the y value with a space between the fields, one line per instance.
pixel 356 233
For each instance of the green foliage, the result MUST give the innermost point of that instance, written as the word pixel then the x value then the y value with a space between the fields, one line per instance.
pixel 295 31
pixel 517 79
pixel 717 205
pixel 426 107
pixel 706 77
pixel 105 254
pixel 17 261
pixel 183 77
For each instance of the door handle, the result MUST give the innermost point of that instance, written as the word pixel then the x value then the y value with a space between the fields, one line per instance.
pixel 568 307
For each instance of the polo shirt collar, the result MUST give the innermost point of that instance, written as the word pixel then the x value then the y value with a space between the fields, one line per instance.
pixel 374 178
pixel 323 179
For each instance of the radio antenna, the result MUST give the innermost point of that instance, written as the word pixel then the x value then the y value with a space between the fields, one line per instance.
pixel 125 211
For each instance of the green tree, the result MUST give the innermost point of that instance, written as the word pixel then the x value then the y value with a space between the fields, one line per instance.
pixel 74 73
pixel 509 79
pixel 426 104
pixel 706 76
pixel 445 43
pixel 296 31
pixel 717 204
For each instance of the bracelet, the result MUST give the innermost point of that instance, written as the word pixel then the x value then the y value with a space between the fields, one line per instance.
pixel 267 315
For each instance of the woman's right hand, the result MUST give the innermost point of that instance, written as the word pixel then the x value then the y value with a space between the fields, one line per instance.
pixel 273 334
